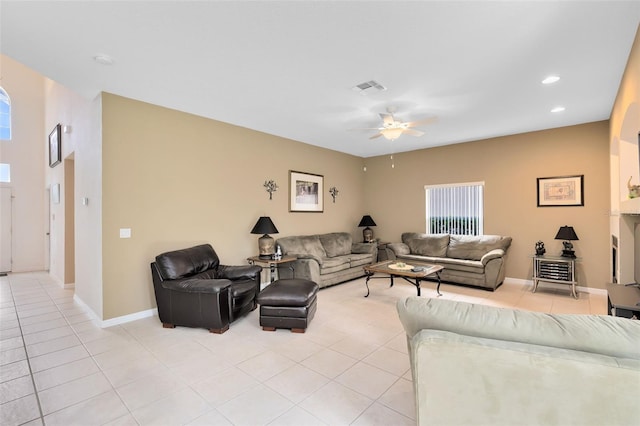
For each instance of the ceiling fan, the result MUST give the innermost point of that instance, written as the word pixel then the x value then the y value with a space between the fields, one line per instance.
pixel 392 128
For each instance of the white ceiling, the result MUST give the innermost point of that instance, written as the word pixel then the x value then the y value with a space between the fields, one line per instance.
pixel 287 67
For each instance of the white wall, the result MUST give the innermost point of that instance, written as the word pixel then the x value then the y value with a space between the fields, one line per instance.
pixel 26 155
pixel 83 143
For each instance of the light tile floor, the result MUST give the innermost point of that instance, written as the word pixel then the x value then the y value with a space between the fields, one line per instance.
pixel 58 367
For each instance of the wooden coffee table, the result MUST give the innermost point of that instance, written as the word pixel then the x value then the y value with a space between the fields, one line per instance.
pixel 393 269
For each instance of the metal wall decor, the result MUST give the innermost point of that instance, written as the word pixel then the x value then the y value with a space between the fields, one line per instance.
pixel 271 186
pixel 334 192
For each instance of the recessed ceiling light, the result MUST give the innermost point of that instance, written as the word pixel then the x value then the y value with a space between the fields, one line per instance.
pixel 103 59
pixel 551 79
pixel 558 109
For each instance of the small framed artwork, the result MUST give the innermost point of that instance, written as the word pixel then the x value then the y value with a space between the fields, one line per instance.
pixel 306 192
pixel 561 191
pixel 55 151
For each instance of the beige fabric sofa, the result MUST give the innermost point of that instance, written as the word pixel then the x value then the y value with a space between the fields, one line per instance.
pixel 482 365
pixel 467 259
pixel 326 259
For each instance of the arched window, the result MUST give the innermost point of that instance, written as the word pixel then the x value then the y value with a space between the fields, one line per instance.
pixel 5 115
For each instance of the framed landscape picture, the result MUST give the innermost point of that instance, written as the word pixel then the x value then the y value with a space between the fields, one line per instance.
pixel 561 191
pixel 55 151
pixel 306 192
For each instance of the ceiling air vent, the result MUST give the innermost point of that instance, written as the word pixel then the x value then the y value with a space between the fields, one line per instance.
pixel 368 87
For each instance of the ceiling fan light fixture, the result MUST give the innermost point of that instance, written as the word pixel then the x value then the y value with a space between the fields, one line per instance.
pixel 551 79
pixel 392 133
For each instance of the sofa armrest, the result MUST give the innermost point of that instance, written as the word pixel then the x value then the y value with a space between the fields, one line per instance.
pixel 363 248
pixel 399 249
pixel 238 272
pixel 493 254
pixel 196 285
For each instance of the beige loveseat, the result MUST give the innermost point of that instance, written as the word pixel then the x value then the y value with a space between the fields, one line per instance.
pixel 467 259
pixel 482 365
pixel 326 259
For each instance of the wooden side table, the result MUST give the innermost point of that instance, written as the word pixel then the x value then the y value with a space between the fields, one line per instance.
pixel 272 264
pixel 555 269
pixel 623 300
pixel 382 251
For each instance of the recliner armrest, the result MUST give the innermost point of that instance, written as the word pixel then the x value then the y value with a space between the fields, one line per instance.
pixel 237 272
pixel 197 285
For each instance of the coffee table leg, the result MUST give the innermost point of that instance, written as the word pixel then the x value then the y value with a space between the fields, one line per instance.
pixel 418 285
pixel 366 282
pixel 438 287
pixel 391 276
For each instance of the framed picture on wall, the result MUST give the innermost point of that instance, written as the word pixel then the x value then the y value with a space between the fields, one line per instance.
pixel 561 191
pixel 55 151
pixel 306 192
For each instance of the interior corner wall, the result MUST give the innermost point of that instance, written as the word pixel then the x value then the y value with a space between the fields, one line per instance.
pixel 25 155
pixel 176 180
pixel 625 163
pixel 509 167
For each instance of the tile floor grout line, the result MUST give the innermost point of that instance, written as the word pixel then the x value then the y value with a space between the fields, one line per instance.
pixel 24 346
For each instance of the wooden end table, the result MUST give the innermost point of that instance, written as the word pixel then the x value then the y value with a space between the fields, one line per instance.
pixel 272 264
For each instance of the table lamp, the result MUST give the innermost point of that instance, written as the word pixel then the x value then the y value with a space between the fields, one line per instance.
pixel 567 234
pixel 266 244
pixel 367 233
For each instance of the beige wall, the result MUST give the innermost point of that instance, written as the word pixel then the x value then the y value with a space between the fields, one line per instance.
pixel 623 137
pixel 177 180
pixel 27 158
pixel 509 167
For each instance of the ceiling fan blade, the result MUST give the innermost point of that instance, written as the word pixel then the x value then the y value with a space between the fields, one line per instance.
pixel 363 129
pixel 376 136
pixel 412 132
pixel 387 119
pixel 422 122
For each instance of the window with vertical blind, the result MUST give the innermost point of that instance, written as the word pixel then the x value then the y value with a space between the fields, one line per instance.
pixel 455 208
pixel 5 115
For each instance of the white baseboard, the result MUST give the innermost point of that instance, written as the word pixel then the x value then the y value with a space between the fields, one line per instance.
pixel 557 286
pixel 128 318
pixel 114 321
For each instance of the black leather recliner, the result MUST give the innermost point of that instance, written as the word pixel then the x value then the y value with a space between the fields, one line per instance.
pixel 192 289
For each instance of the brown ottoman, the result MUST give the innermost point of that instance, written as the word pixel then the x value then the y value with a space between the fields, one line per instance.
pixel 288 303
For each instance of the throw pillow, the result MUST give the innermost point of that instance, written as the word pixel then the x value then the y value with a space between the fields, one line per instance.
pixel 336 243
pixel 430 245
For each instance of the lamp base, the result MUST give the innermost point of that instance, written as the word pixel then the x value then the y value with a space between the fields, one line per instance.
pixel 367 235
pixel 266 247
pixel 569 253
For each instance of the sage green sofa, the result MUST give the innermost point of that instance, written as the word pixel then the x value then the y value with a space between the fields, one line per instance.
pixel 482 365
pixel 467 259
pixel 326 259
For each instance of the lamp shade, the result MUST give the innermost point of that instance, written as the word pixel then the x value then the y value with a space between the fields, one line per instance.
pixel 566 233
pixel 264 225
pixel 367 221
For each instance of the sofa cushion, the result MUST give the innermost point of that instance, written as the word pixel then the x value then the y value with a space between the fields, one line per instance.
pixel 407 236
pixel 336 243
pixel 430 245
pixel 475 246
pixel 303 244
pixel 333 264
pixel 187 262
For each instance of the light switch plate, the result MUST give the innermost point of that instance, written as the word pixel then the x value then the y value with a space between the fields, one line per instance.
pixel 125 232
